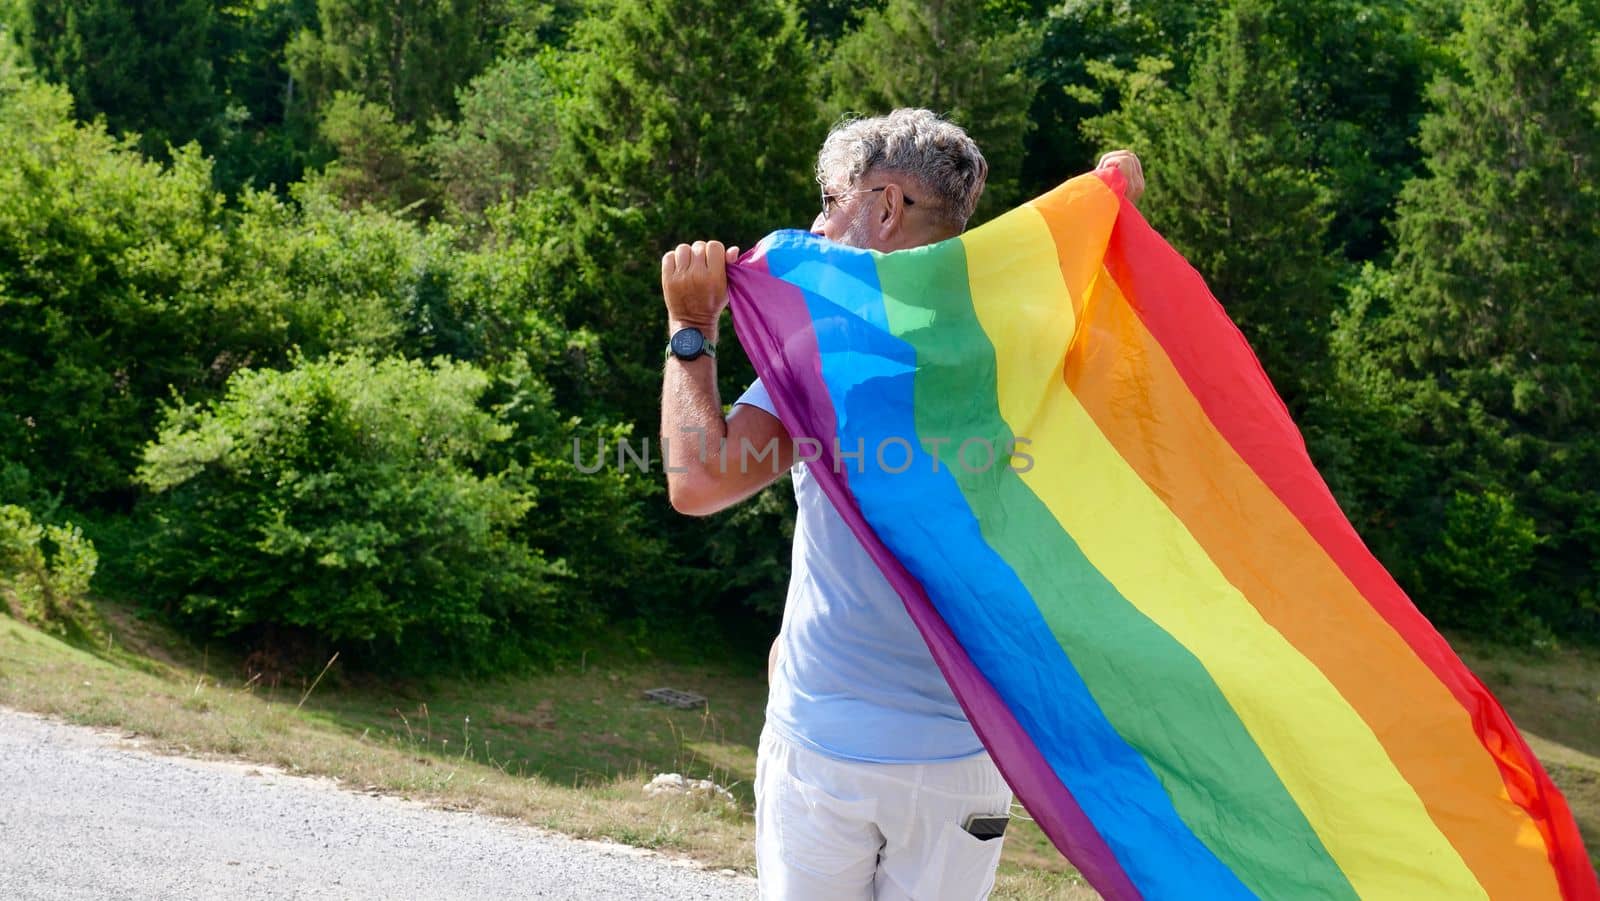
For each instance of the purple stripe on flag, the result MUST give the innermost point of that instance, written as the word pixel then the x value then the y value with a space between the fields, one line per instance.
pixel 780 341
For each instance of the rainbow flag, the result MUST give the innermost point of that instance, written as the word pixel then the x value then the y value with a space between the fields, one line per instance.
pixel 1192 672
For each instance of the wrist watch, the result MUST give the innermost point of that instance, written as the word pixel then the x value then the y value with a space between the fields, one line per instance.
pixel 690 344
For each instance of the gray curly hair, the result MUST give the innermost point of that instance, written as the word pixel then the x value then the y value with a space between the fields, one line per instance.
pixel 913 142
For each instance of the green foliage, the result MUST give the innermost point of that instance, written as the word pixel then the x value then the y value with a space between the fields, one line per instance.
pixel 344 501
pixel 1501 234
pixel 211 71
pixel 655 134
pixel 1078 35
pixel 600 524
pixel 1482 562
pixel 332 280
pixel 668 134
pixel 659 146
pixel 16 20
pixel 126 281
pixel 145 67
pixel 268 132
pixel 1361 68
pixel 106 263
pixel 324 279
pixel 1354 100
pixel 958 58
pixel 500 147
pixel 44 570
pixel 1230 189
pixel 1355 423
pixel 1486 331
pixel 379 163
pixel 408 56
pixel 828 20
pixel 502 176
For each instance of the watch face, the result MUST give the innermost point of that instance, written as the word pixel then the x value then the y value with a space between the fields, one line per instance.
pixel 688 342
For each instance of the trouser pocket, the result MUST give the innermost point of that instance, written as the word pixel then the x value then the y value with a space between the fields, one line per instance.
pixel 824 834
pixel 961 868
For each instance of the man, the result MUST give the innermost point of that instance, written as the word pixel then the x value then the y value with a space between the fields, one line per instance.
pixel 868 770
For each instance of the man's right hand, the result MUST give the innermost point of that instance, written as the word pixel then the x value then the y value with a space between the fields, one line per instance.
pixel 694 284
pixel 712 462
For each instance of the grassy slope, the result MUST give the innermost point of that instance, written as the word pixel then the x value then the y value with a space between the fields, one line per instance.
pixel 569 750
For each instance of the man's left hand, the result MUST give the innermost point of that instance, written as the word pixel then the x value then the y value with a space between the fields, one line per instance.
pixel 1125 162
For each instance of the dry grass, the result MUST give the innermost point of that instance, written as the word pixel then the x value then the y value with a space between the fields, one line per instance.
pixel 569 750
pixel 175 706
pixel 566 751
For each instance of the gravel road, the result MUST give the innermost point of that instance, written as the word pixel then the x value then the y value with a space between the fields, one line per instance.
pixel 85 815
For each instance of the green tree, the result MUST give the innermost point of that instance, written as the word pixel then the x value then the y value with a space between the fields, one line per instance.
pixel 123 281
pixel 961 59
pixel 330 280
pixel 1114 33
pixel 827 20
pixel 15 19
pixel 659 145
pixel 107 263
pixel 212 71
pixel 500 147
pixel 343 502
pixel 268 132
pixel 1355 99
pixel 1358 96
pixel 379 161
pixel 1481 337
pixel 146 67
pixel 407 55
pixel 667 133
pixel 1230 189
pixel 45 572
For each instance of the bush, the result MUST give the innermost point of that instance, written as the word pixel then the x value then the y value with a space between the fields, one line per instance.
pixel 106 263
pixel 1482 564
pixel 44 570
pixel 343 502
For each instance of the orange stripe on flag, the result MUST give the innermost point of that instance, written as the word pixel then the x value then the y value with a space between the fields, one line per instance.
pixel 1265 552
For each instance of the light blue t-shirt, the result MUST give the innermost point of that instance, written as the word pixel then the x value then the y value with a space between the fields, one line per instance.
pixel 854 679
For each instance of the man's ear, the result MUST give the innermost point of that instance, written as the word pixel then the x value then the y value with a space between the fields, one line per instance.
pixel 892 213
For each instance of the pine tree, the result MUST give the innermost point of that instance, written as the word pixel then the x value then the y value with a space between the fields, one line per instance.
pixel 1362 67
pixel 408 55
pixel 672 133
pixel 1484 332
pixel 146 67
pixel 709 128
pixel 1117 33
pixel 379 162
pixel 500 147
pixel 680 120
pixel 1229 188
pixel 960 59
pixel 269 133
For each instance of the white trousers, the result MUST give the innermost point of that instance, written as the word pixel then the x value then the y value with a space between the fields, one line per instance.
pixel 839 830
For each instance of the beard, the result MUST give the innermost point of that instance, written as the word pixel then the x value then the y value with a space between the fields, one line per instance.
pixel 859 232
